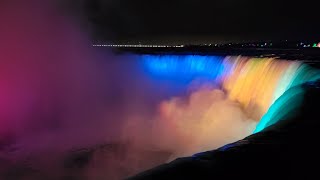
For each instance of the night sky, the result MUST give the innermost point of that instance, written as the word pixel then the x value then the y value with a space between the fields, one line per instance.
pixel 202 21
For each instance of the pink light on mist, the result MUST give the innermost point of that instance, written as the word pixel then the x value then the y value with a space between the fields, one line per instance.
pixel 45 82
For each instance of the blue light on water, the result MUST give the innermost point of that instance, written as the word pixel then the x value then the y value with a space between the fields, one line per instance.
pixel 184 67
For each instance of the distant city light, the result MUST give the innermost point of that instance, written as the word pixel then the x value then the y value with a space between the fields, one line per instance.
pixel 262 45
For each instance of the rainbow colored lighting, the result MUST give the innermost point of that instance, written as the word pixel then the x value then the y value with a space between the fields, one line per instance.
pixel 263 86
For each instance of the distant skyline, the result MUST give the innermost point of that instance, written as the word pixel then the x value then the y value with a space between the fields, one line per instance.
pixel 205 21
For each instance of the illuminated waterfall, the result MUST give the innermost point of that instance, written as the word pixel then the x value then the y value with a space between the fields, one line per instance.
pixel 256 83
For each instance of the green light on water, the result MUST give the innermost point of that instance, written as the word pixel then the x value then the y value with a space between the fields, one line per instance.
pixel 285 107
pixel 315 45
pixel 288 104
